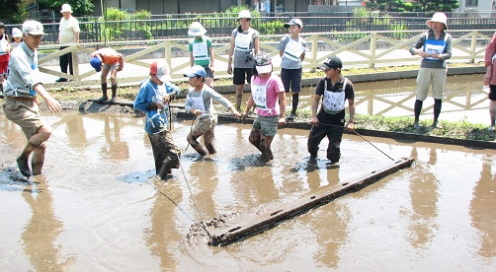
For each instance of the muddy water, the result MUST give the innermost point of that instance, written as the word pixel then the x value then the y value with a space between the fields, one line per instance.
pixel 96 207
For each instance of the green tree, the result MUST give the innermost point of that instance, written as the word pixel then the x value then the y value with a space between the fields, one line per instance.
pixel 79 7
pixel 12 11
pixel 439 5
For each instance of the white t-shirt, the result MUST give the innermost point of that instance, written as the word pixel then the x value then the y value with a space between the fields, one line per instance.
pixel 67 29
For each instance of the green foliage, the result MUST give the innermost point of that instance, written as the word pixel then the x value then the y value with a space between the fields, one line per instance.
pixel 13 11
pixel 79 7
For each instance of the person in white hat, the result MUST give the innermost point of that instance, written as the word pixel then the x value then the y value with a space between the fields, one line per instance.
pixel 199 102
pixel 434 47
pixel 16 38
pixel 153 99
pixel 490 79
pixel 22 89
pixel 68 34
pixel 269 99
pixel 245 45
pixel 292 50
pixel 201 51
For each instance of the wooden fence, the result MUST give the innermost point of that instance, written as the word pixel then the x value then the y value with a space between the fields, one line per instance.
pixel 356 49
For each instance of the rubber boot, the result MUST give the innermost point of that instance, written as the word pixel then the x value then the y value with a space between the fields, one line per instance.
pixel 104 92
pixel 22 163
pixel 417 109
pixel 196 145
pixel 172 161
pixel 438 103
pixel 114 94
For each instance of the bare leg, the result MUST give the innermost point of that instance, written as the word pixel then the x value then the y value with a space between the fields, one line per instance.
pixel 208 138
pixel 492 113
pixel 254 138
pixel 239 96
pixel 37 145
pixel 265 143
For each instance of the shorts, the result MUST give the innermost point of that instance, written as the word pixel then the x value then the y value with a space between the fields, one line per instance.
pixel 242 74
pixel 205 123
pixel 430 76
pixel 492 92
pixel 208 71
pixel 25 113
pixel 111 67
pixel 293 77
pixel 268 125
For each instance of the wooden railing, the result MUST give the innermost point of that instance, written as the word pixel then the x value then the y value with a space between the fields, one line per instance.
pixel 357 49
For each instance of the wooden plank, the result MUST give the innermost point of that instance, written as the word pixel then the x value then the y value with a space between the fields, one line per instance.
pixel 267 220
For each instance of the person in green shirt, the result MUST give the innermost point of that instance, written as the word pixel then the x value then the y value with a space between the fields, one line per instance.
pixel 201 52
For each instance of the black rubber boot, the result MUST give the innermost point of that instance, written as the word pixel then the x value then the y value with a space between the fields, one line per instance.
pixel 114 94
pixel 104 92
pixel 167 166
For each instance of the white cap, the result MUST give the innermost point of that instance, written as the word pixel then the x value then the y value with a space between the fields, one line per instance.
pixel 244 14
pixel 32 27
pixel 196 29
pixel 66 8
pixel 16 33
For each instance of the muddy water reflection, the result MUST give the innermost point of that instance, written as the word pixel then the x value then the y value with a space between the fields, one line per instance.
pixel 94 210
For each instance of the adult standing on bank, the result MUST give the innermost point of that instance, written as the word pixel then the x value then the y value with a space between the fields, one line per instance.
pixel 23 86
pixel 201 51
pixel 4 54
pixel 435 48
pixel 490 79
pixel 330 121
pixel 68 34
pixel 245 44
pixel 292 50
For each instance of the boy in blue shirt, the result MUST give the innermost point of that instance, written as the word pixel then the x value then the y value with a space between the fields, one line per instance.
pixel 153 98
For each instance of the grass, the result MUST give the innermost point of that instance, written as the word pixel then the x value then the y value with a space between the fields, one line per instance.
pixel 455 130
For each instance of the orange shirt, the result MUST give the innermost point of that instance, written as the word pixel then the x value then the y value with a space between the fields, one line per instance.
pixel 109 56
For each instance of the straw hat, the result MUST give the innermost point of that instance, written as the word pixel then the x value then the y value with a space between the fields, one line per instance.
pixel 438 17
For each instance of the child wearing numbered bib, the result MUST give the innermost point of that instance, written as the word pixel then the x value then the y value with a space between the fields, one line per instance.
pixel 201 52
pixel 329 122
pixel 200 103
pixel 153 98
pixel 435 48
pixel 269 99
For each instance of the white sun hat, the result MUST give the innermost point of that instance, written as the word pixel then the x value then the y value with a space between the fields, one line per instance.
pixel 438 17
pixel 196 29
pixel 66 8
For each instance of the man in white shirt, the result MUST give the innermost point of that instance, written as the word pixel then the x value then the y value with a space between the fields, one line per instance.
pixel 68 34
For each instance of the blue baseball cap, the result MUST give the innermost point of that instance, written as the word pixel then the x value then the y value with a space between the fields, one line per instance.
pixel 96 63
pixel 195 71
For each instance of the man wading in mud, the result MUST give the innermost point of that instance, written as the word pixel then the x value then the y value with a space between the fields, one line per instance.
pixel 21 92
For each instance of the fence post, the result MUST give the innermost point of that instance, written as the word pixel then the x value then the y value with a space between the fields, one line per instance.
pixel 315 47
pixel 473 46
pixel 373 48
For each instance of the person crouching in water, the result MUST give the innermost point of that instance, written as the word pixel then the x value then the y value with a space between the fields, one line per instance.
pixel 269 98
pixel 200 103
pixel 153 97
pixel 330 120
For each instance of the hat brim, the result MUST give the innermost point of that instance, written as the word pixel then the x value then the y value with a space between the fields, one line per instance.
pixel 191 75
pixel 264 69
pixel 429 24
pixel 36 33
pixel 196 33
pixel 324 67
pixel 62 11
pixel 164 77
